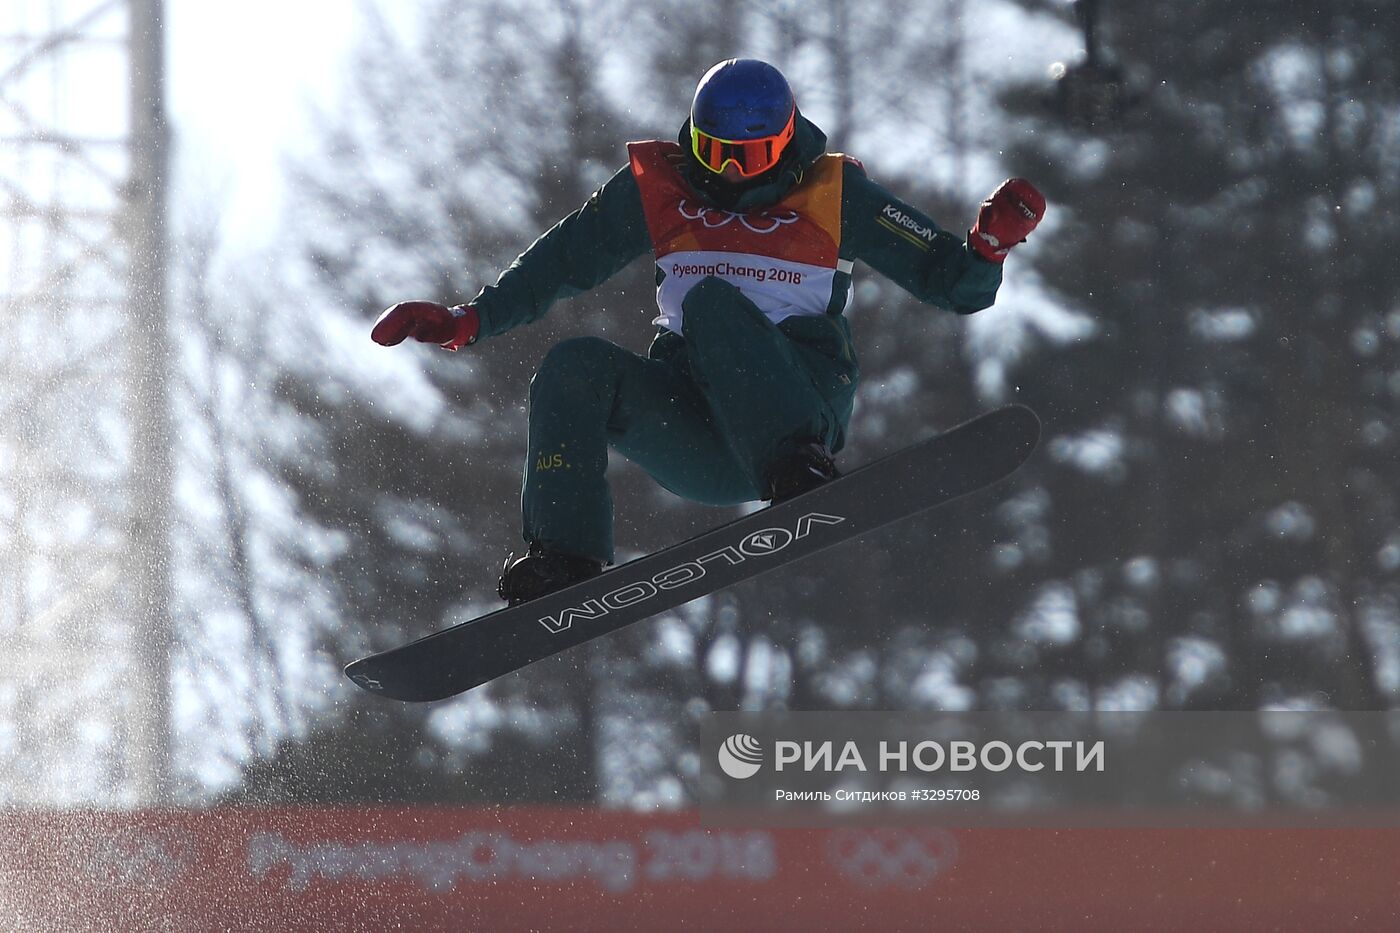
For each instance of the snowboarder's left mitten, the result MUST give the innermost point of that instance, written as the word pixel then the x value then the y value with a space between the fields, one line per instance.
pixel 1006 218
pixel 428 321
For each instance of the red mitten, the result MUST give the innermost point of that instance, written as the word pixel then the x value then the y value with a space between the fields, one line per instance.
pixel 1006 218
pixel 429 322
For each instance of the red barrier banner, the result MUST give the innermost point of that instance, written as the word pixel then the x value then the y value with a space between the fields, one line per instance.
pixel 459 869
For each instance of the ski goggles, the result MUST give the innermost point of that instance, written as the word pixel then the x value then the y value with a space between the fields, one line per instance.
pixel 751 156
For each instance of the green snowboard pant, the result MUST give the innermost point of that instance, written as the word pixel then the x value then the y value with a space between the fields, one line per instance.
pixel 706 415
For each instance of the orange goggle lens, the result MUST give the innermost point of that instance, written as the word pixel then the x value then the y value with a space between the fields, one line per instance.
pixel 751 156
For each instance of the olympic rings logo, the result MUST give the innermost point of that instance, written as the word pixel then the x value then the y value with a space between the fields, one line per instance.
pixel 891 858
pixel 714 218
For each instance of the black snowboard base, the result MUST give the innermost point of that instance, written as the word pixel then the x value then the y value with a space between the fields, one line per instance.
pixel 962 460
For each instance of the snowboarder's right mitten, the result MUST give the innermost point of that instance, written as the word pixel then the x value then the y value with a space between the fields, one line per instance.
pixel 428 321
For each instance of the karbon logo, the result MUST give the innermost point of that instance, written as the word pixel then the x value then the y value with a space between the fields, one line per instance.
pixel 758 544
pixel 740 756
pixel 898 217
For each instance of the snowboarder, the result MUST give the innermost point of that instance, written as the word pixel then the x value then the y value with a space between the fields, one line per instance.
pixel 747 389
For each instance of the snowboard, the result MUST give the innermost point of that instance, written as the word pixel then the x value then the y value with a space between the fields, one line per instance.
pixel 932 472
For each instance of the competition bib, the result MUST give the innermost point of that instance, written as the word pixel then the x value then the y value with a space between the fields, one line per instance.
pixel 783 258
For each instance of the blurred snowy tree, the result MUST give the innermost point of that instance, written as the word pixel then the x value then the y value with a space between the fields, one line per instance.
pixel 1216 522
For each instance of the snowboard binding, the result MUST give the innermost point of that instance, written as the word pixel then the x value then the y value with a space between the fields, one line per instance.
pixel 811 465
pixel 540 571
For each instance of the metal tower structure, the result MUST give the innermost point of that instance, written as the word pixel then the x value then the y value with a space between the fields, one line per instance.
pixel 85 460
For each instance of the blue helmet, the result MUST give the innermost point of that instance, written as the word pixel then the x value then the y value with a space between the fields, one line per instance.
pixel 742 98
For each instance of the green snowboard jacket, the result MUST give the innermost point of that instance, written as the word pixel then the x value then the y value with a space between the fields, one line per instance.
pixel 610 231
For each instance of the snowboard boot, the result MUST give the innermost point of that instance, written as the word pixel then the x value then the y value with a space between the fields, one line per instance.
pixel 539 571
pixel 809 466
